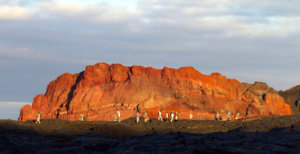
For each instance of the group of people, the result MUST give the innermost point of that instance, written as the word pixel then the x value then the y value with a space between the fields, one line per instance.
pixel 146 118
pixel 218 117
pixel 173 116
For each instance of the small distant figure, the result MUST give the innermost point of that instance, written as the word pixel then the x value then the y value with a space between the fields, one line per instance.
pixel 119 116
pixel 237 116
pixel 137 117
pixel 82 117
pixel 191 115
pixel 172 116
pixel 57 113
pixel 38 118
pixel 217 116
pixel 115 118
pixel 167 117
pixel 159 116
pixel 176 116
pixel 228 116
pixel 146 117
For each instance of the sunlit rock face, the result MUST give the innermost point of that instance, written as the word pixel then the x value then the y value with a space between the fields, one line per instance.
pixel 102 89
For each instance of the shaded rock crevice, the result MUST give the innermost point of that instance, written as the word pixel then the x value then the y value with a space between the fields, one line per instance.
pixel 72 90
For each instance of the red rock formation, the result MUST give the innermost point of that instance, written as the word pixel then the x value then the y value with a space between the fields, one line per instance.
pixel 102 89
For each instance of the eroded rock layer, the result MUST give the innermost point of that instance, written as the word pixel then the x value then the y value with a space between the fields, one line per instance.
pixel 102 89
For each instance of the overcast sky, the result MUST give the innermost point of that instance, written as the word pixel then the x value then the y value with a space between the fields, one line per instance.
pixel 250 40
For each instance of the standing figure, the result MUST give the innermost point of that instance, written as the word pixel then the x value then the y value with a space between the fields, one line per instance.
pixel 115 118
pixel 137 117
pixel 172 116
pixel 237 116
pixel 176 116
pixel 217 116
pixel 38 118
pixel 119 116
pixel 82 117
pixel 57 113
pixel 167 116
pixel 228 116
pixel 191 115
pixel 146 117
pixel 159 116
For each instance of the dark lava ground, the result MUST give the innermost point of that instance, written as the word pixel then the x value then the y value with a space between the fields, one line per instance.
pixel 263 135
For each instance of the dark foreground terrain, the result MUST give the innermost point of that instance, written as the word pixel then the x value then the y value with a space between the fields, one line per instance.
pixel 263 135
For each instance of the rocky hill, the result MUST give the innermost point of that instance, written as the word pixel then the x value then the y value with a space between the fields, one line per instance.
pixel 102 89
pixel 292 97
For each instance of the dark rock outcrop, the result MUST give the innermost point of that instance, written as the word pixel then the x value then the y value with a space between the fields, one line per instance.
pixel 292 97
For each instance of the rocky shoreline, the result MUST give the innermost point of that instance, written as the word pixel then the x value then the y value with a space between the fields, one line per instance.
pixel 264 135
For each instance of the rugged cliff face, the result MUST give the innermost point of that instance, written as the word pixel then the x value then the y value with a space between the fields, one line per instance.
pixel 292 97
pixel 102 89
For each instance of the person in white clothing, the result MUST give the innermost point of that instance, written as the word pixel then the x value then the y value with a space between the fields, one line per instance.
pixel 119 116
pixel 172 116
pixel 82 117
pixel 191 115
pixel 159 116
pixel 137 117
pixel 38 118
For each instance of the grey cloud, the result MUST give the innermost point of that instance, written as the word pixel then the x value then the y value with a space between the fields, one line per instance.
pixel 238 43
pixel 234 7
pixel 22 2
pixel 273 7
pixel 27 53
pixel 229 18
pixel 97 12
